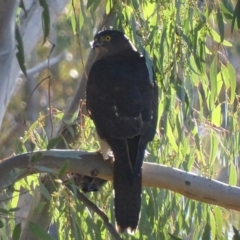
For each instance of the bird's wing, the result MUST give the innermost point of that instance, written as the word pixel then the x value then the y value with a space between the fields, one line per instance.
pixel 118 100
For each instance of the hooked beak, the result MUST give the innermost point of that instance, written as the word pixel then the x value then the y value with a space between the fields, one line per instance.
pixel 96 43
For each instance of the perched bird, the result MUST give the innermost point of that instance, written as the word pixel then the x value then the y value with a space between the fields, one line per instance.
pixel 122 101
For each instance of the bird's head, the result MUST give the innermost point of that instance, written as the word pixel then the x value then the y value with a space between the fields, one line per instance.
pixel 111 42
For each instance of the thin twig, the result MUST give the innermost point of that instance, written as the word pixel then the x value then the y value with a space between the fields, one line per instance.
pixel 88 203
pixel 49 88
pixel 27 102
pixel 45 64
pixel 18 195
pixel 78 39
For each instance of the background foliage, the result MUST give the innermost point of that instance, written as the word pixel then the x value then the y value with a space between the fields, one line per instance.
pixel 194 49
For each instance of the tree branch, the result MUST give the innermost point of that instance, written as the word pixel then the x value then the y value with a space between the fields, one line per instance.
pixel 45 64
pixel 31 32
pixel 7 49
pixel 91 164
pixel 81 197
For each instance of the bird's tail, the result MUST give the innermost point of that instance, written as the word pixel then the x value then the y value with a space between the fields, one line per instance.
pixel 127 184
pixel 127 199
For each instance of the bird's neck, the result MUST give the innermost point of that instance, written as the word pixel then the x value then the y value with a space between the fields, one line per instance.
pixel 128 54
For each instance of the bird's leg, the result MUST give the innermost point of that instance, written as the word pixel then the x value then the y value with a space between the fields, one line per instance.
pixel 105 149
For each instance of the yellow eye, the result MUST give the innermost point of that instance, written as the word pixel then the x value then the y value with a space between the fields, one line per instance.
pixel 107 38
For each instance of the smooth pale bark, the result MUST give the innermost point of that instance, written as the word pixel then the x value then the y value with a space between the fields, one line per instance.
pixel 91 164
pixel 31 31
pixel 7 50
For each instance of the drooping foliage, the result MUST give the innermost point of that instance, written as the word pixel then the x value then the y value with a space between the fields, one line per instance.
pixel 192 46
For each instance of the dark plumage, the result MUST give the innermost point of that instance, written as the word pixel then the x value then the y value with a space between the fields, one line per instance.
pixel 122 101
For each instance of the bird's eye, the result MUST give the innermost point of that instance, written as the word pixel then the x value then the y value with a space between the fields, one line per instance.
pixel 107 38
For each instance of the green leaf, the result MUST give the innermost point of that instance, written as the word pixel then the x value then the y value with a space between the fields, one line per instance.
pixel 81 20
pixel 45 192
pixel 39 231
pixel 213 225
pixel 213 149
pixel 3 210
pixel 219 83
pixel 236 16
pixel 40 207
pixel 90 3
pixel 193 66
pixel 215 36
pixel 71 130
pixel 218 218
pixel 45 19
pixel 17 232
pixel 44 169
pixel 73 119
pixel 171 137
pixel 95 5
pixel 233 81
pixel 53 142
pixel 228 6
pixel 1 224
pixel 220 24
pixel 232 175
pixel 13 209
pixel 174 237
pixel 73 22
pixel 225 76
pixel 213 80
pixel 19 146
pixel 42 139
pixel 207 232
pixel 63 169
pixel 108 7
pixel 216 118
pixel 31 128
pixel 20 52
pixel 35 157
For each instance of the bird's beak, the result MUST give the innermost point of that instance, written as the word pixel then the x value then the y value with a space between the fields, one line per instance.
pixel 96 43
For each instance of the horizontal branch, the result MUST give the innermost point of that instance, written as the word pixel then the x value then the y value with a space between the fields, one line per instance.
pixel 46 64
pixel 91 164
